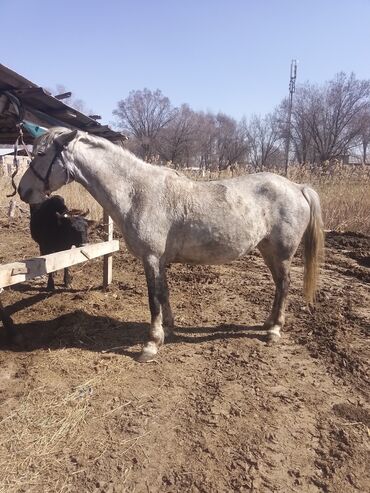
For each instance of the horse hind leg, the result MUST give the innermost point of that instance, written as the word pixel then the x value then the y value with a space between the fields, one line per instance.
pixel 168 320
pixel 278 261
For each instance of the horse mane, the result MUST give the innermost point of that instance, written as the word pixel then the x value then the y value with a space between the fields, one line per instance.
pixel 48 137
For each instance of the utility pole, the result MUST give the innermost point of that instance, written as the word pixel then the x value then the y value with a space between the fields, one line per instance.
pixel 293 76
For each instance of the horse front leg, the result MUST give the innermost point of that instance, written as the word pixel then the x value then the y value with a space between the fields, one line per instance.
pixel 156 293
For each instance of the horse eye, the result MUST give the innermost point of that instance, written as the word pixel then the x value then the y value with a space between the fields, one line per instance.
pixel 40 153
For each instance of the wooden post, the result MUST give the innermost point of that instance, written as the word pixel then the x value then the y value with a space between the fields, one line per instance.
pixel 108 259
pixel 12 209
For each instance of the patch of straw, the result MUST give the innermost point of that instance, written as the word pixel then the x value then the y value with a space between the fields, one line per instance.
pixel 33 435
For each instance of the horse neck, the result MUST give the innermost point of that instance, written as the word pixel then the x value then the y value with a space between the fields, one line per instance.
pixel 109 175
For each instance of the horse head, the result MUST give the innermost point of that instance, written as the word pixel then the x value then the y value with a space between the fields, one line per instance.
pixel 51 167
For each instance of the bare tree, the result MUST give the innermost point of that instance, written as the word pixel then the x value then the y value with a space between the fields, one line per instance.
pixel 327 121
pixel 143 114
pixel 176 141
pixel 206 140
pixel 300 135
pixel 76 103
pixel 232 142
pixel 332 114
pixel 263 138
pixel 364 136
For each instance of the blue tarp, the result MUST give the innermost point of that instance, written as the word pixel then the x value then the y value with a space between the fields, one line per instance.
pixel 34 130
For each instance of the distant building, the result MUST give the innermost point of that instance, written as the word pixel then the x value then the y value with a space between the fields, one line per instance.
pixel 350 159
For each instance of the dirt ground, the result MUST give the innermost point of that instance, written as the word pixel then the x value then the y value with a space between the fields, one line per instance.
pixel 219 411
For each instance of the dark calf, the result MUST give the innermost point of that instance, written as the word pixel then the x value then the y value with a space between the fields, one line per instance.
pixel 55 229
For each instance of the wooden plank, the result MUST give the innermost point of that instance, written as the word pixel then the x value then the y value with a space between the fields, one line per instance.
pixel 25 270
pixel 94 130
pixel 108 259
pixel 64 95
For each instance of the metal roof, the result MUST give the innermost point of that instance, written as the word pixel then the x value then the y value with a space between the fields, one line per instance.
pixel 43 109
pixel 5 151
pixel 9 151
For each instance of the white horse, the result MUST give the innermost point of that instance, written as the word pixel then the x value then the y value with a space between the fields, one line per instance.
pixel 166 217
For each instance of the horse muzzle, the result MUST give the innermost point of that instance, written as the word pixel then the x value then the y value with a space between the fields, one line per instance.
pixel 30 196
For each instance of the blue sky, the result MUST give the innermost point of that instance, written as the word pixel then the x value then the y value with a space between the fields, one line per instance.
pixel 219 55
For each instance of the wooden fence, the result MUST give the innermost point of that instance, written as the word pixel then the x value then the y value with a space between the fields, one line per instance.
pixel 28 269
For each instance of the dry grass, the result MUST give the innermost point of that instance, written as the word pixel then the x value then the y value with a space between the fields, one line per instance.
pixel 46 433
pixel 34 435
pixel 75 195
pixel 344 193
pixel 78 198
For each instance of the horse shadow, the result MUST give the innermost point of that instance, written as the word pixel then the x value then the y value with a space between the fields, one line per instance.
pixel 98 333
pixel 222 331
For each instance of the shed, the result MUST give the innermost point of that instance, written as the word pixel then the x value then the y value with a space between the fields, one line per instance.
pixel 41 108
pixel 23 101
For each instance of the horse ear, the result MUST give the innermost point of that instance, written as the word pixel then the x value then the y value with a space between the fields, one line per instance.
pixel 64 139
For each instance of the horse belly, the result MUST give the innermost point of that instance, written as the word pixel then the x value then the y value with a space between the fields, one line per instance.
pixel 214 247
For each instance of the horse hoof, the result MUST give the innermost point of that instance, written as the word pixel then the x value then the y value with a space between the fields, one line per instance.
pixel 273 339
pixel 145 358
pixel 148 353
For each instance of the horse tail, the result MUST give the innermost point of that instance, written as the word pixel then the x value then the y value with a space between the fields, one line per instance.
pixel 313 244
